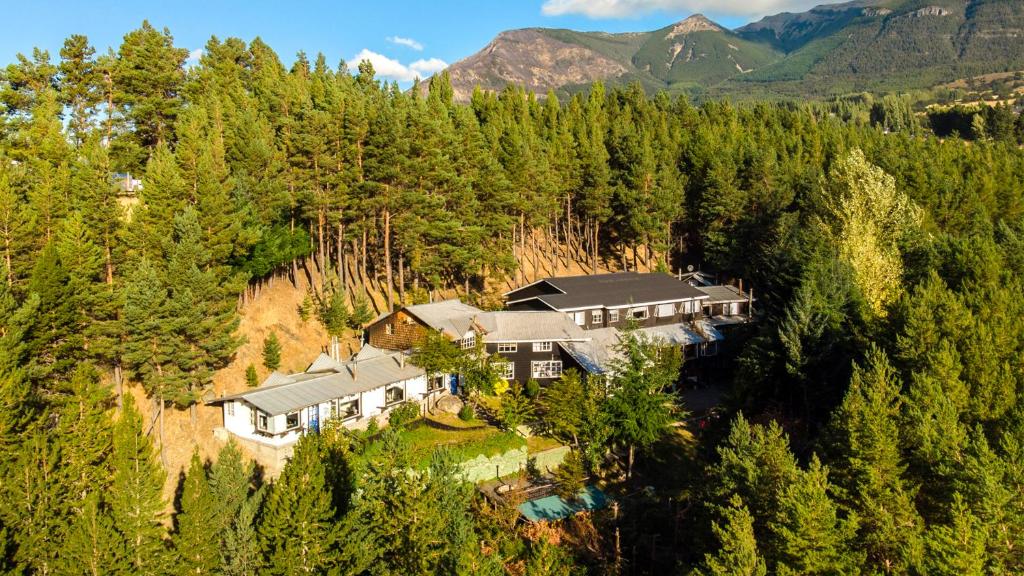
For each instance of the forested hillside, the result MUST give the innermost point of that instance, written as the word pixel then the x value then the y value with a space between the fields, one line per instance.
pixel 875 421
pixel 838 48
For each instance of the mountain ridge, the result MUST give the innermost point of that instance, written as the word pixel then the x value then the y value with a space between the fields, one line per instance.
pixel 860 45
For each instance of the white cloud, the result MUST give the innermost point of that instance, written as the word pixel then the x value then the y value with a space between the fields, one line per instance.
pixel 429 66
pixel 194 56
pixel 632 8
pixel 406 42
pixel 394 70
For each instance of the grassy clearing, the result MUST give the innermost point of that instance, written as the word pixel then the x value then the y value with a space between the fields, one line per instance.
pixel 536 444
pixel 423 439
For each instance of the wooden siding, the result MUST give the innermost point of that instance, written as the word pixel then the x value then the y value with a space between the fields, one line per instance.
pixel 406 332
pixel 524 356
pixel 652 319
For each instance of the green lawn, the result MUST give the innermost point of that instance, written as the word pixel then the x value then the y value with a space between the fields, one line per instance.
pixel 536 444
pixel 423 439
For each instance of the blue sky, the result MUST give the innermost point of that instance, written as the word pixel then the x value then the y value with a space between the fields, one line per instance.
pixel 403 37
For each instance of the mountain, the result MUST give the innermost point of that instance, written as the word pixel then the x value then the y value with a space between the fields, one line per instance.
pixel 872 45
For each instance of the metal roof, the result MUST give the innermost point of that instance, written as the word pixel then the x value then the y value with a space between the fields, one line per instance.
pixel 673 334
pixel 723 294
pixel 612 290
pixel 452 317
pixel 280 394
pixel 511 326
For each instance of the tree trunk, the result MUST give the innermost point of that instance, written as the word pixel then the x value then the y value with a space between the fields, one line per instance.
pixel 401 278
pixel 295 261
pixel 163 452
pixel 597 228
pixel 119 386
pixel 341 254
pixel 387 259
pixel 629 466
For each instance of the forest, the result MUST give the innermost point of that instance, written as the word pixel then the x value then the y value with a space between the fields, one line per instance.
pixel 874 422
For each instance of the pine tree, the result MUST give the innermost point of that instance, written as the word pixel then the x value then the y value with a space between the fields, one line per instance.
pixel 33 505
pixel 84 427
pixel 93 543
pixel 809 536
pixel 241 549
pixel 867 435
pixel 569 477
pixel 197 537
pixel 148 78
pixel 54 342
pixel 297 532
pixel 79 83
pixel 136 504
pixel 252 379
pixel 271 352
pixel 640 409
pixel 755 463
pixel 737 552
pixel 957 548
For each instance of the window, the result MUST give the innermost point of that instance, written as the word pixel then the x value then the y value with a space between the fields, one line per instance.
pixel 597 317
pixel 231 408
pixel 389 329
pixel 542 346
pixel 580 318
pixel 639 313
pixel 469 342
pixel 344 410
pixel 546 369
pixel 665 310
pixel 435 382
pixel 734 309
pixel 507 347
pixel 291 421
pixel 613 316
pixel 689 307
pixel 263 422
pixel 394 394
pixel 506 370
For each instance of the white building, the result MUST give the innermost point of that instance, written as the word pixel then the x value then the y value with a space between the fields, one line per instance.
pixel 269 419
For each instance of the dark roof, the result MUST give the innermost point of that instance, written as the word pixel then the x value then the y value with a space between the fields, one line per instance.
pixel 607 290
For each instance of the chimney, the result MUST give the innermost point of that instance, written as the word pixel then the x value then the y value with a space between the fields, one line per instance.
pixel 353 368
pixel 741 286
pixel 401 361
pixel 335 352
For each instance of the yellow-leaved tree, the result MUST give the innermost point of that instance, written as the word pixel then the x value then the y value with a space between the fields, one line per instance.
pixel 868 219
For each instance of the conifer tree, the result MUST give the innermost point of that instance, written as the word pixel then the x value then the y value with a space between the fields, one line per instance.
pixel 252 379
pixel 640 409
pixel 84 428
pixel 737 552
pixel 866 428
pixel 196 539
pixel 33 505
pixel 297 532
pixel 148 78
pixel 93 543
pixel 809 535
pixel 54 341
pixel 271 352
pixel 959 547
pixel 136 504
pixel 79 83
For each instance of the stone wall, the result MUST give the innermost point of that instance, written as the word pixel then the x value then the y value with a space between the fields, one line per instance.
pixel 545 462
pixel 482 468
